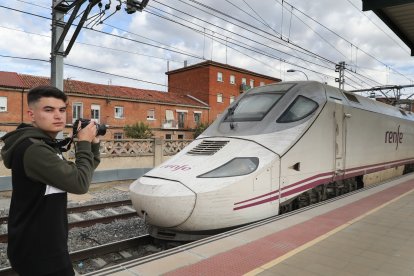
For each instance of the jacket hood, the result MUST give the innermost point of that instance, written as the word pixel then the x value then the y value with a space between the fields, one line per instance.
pixel 14 138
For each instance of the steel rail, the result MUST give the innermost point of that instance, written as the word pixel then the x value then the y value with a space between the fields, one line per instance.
pixel 96 251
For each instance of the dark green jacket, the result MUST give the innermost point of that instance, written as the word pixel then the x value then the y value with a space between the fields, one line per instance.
pixel 37 225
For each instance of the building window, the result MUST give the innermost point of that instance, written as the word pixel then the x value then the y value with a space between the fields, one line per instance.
pixel 118 135
pixel 151 114
pixel 232 79
pixel 77 111
pixel 3 104
pixel 231 99
pixel 219 97
pixel 168 136
pixel 262 83
pixel 219 76
pixel 119 112
pixel 180 136
pixel 244 81
pixel 181 118
pixel 251 83
pixel 197 117
pixel 96 113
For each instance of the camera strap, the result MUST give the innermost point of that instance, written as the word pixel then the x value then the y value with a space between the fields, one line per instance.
pixel 62 145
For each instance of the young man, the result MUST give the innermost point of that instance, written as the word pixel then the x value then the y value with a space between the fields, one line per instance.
pixel 38 225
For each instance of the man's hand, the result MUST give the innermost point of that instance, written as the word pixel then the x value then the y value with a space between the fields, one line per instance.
pixel 87 133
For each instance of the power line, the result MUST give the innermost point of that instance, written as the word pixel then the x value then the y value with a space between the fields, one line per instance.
pixel 346 40
pixel 198 57
pixel 97 46
pixel 239 35
pixel 381 29
pixel 118 36
pixel 287 44
pixel 36 5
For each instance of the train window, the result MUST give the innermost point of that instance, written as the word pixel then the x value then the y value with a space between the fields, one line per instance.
pixel 351 97
pixel 252 108
pixel 235 167
pixel 299 109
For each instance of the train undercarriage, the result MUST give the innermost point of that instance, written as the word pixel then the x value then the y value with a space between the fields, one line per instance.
pixel 337 188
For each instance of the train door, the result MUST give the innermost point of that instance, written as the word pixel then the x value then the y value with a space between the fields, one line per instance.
pixel 275 182
pixel 339 128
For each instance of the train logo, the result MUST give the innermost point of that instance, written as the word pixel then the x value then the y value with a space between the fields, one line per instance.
pixel 394 137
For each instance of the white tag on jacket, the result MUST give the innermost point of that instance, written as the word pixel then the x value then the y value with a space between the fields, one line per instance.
pixel 52 190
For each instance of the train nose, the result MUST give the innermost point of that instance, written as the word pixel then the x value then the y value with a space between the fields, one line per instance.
pixel 164 203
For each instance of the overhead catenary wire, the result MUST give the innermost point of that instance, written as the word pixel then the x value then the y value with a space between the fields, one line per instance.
pixel 252 49
pixel 97 46
pixel 336 34
pixel 196 1
pixel 198 57
pixel 278 40
pixel 239 35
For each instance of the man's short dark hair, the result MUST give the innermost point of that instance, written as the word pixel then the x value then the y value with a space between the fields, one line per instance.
pixel 39 92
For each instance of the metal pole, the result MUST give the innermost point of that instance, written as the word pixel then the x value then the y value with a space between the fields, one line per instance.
pixel 56 57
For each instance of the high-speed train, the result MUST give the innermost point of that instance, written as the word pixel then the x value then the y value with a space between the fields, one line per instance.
pixel 276 148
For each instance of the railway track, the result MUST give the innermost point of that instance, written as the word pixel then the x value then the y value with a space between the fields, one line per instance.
pixel 97 252
pixel 77 221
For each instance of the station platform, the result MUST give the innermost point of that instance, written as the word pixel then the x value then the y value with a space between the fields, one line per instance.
pixel 366 233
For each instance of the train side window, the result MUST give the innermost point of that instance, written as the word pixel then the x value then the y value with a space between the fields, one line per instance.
pixel 301 108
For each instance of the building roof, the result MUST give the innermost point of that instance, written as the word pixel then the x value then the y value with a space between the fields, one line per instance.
pixel 398 15
pixel 221 65
pixel 81 88
pixel 10 80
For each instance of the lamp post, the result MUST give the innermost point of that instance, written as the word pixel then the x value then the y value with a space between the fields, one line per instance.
pixel 292 70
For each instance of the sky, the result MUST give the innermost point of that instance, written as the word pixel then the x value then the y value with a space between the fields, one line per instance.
pixel 268 37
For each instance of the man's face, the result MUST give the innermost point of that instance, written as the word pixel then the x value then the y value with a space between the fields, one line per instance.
pixel 48 114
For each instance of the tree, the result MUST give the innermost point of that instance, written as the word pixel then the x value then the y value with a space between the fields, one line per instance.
pixel 138 131
pixel 199 129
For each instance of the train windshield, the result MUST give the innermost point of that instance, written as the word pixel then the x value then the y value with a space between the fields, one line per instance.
pixel 253 107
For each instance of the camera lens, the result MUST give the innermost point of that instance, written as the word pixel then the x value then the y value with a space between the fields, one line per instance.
pixel 101 130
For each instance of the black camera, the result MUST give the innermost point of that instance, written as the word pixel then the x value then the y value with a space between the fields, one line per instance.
pixel 100 129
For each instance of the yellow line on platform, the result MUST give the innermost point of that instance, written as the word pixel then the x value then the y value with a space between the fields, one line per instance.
pixel 280 259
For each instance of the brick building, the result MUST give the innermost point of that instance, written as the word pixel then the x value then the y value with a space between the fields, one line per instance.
pixel 170 116
pixel 214 83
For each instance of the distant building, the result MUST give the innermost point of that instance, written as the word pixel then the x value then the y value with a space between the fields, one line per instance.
pixel 214 83
pixel 170 116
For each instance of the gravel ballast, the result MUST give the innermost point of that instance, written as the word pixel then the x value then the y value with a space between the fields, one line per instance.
pixel 81 238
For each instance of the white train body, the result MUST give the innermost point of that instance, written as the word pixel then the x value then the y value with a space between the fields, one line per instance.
pixel 274 143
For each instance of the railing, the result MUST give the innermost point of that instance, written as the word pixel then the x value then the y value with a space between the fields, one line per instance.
pixel 171 147
pixel 134 147
pixel 138 147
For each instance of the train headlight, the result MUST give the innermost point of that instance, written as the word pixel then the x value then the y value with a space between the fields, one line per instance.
pixel 235 167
